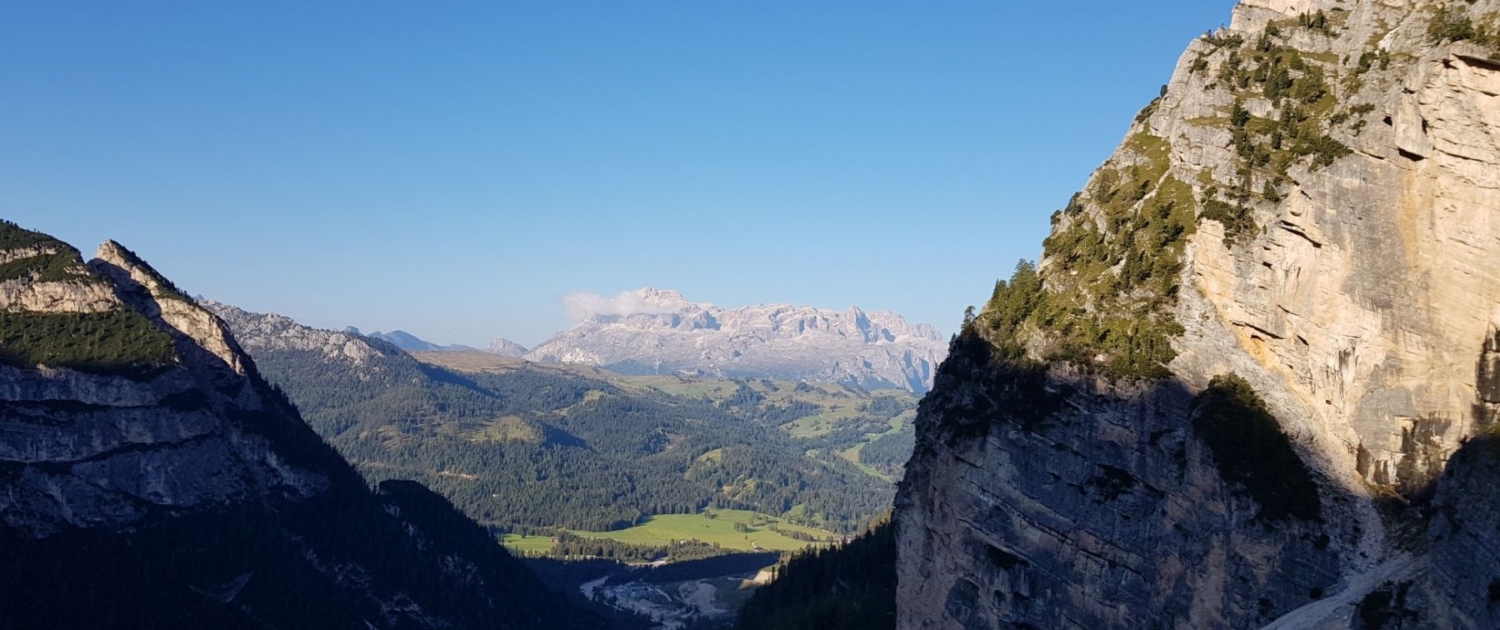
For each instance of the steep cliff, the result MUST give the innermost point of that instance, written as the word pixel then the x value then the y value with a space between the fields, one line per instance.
pixel 1244 365
pixel 149 478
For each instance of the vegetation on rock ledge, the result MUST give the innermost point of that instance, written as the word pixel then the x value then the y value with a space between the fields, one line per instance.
pixel 1113 273
pixel 117 342
pixel 1449 25
pixel 56 261
pixel 1102 301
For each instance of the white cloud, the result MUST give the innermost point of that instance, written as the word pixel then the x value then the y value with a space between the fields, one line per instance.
pixel 581 305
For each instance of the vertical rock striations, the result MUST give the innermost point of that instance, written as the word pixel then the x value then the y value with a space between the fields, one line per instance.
pixel 1275 303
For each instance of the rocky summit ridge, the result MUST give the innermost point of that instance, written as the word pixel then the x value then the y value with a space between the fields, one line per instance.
pixel 652 331
pixel 506 348
pixel 1252 381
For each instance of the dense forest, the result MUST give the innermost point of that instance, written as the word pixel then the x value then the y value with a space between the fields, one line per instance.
pixel 536 450
pixel 574 547
pixel 852 587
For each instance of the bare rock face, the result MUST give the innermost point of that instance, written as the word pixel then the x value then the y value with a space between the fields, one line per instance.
pixel 1343 266
pixel 278 332
pixel 662 332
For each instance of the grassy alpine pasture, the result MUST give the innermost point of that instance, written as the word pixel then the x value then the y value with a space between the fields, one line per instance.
pixel 715 526
pixel 710 526
pixel 528 545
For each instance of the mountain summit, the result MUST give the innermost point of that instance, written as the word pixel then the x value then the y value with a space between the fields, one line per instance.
pixel 651 331
pixel 506 348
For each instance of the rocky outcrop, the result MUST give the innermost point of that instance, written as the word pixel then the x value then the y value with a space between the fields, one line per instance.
pixel 506 348
pixel 150 478
pixel 661 332
pixel 1339 160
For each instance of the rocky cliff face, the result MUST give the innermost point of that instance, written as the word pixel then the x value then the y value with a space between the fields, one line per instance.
pixel 1290 259
pixel 664 333
pixel 150 478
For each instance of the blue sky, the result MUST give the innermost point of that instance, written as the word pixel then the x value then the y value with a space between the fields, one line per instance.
pixel 454 169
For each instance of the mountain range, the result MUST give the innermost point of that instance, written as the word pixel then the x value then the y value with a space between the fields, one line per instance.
pixel 407 341
pixel 652 331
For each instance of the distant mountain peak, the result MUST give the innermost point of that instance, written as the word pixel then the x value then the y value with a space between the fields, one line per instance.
pixel 506 348
pixel 661 296
pixel 407 341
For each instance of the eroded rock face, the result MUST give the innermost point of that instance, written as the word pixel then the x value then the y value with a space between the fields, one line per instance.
pixel 665 333
pixel 1362 311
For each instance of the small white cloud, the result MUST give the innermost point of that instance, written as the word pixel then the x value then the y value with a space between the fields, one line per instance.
pixel 582 305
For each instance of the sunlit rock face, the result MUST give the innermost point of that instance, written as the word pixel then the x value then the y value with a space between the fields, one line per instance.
pixel 1361 309
pixel 651 331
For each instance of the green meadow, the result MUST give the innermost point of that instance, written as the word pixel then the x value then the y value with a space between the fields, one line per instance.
pixel 709 526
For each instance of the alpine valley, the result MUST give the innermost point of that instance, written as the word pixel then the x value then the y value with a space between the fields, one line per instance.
pixel 531 447
pixel 1252 382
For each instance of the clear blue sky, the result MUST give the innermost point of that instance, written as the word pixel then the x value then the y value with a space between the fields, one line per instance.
pixel 453 169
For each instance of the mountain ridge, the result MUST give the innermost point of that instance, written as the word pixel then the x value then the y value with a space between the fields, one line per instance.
pixel 150 478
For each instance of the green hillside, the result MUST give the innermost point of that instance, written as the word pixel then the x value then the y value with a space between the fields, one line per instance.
pixel 537 449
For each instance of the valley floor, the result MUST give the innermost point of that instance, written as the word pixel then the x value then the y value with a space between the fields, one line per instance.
pixel 710 526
